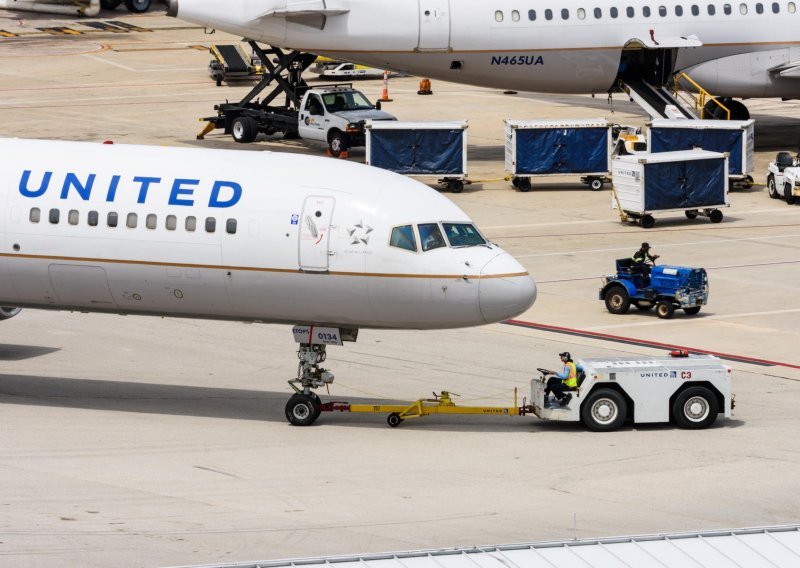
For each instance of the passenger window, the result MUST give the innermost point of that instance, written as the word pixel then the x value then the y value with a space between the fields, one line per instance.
pixel 151 221
pixel 403 237
pixel 564 14
pixel 430 236
pixel 73 217
pixel 36 215
pixel 463 235
pixel 92 218
pixel 727 9
pixel 792 8
pixel 598 13
pixel 614 12
pixel 55 215
pixel 662 11
pixel 131 221
pixel 630 11
pixel 776 8
pixel 498 16
pixel 314 105
pixel 191 224
pixel 646 11
pixel 548 14
pixel 711 10
pixel 759 8
pixel 679 10
pixel 211 224
pixel 532 15
pixel 112 219
pixel 515 15
pixel 581 13
pixel 695 10
pixel 230 226
pixel 743 9
pixel 172 222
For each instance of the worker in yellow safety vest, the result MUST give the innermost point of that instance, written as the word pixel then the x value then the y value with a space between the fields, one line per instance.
pixel 566 379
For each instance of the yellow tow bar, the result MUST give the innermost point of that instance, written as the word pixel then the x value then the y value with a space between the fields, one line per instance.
pixel 441 403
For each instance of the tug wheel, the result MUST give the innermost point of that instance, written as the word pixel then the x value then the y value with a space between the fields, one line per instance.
pixel 394 420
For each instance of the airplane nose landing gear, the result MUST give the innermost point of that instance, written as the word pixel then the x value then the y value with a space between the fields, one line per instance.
pixel 303 407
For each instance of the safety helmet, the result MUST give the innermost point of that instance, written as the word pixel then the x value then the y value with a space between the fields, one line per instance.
pixel 645 245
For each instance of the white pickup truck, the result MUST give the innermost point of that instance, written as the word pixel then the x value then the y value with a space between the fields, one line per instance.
pixel 783 177
pixel 335 114
pixel 347 71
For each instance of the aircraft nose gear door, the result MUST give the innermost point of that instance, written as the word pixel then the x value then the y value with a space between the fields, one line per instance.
pixel 315 228
pixel 434 25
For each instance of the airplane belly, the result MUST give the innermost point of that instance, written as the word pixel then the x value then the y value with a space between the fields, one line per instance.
pixel 80 285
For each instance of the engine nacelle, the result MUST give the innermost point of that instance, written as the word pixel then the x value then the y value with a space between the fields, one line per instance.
pixel 8 312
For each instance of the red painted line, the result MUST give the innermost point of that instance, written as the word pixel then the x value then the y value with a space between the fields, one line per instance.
pixel 647 343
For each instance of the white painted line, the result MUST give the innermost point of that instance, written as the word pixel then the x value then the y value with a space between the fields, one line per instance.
pixel 107 62
pixel 704 318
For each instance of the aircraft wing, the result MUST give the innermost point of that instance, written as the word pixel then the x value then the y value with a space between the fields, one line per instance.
pixel 653 41
pixel 314 13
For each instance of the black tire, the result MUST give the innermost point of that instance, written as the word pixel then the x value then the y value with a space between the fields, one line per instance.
pixel 318 403
pixel 524 184
pixel 137 6
pixel 338 142
pixel 738 110
pixel 8 312
pixel 787 194
pixel 456 186
pixel 695 408
pixel 596 184
pixel 690 214
pixel 110 4
pixel 648 222
pixel 693 311
pixel 771 188
pixel 665 310
pixel 617 299
pixel 644 306
pixel 302 410
pixel 604 410
pixel 394 420
pixel 715 216
pixel 244 129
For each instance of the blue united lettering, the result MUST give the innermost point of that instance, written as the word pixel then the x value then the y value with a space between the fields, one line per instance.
pixel 184 192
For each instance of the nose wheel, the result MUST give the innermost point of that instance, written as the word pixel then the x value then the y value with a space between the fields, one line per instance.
pixel 303 408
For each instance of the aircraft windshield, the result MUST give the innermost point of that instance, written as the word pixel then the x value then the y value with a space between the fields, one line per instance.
pixel 346 100
pixel 463 235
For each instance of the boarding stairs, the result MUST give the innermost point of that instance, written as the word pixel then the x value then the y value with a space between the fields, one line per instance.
pixel 658 102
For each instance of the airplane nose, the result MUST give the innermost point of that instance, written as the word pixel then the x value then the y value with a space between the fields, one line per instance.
pixel 172 8
pixel 506 289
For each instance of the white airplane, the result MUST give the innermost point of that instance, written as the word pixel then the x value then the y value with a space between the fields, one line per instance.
pixel 742 48
pixel 326 245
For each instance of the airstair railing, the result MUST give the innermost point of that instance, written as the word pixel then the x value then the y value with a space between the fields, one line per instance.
pixel 699 100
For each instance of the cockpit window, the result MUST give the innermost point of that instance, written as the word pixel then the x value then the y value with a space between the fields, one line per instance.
pixel 430 236
pixel 403 237
pixel 463 235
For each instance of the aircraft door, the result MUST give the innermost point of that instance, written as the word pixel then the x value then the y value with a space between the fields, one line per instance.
pixel 434 25
pixel 315 227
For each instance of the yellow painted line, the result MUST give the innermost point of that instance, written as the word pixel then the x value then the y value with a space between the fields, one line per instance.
pixel 4 33
pixel 255 268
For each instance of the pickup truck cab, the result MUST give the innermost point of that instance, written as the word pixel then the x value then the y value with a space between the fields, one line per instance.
pixel 783 177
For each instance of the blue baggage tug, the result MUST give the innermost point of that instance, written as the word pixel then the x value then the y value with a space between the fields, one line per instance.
pixel 668 288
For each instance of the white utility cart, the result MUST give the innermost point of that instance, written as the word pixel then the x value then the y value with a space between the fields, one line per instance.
pixel 420 149
pixel 557 147
pixel 693 182
pixel 691 390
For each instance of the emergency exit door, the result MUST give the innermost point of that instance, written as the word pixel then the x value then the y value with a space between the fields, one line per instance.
pixel 434 25
pixel 315 228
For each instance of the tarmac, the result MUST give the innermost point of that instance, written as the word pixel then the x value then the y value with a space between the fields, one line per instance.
pixel 133 441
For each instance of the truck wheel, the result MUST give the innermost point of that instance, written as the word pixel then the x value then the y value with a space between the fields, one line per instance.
pixel 110 4
pixel 773 191
pixel 665 310
pixel 644 306
pixel 596 184
pixel 456 186
pixel 523 184
pixel 695 408
pixel 715 216
pixel 617 300
pixel 690 214
pixel 244 130
pixel 137 6
pixel 604 410
pixel 338 143
pixel 648 222
pixel 787 194
pixel 693 311
pixel 302 410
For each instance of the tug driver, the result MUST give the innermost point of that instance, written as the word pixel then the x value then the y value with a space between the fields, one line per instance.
pixel 566 378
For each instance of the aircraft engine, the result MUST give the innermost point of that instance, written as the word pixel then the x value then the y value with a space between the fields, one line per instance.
pixel 8 312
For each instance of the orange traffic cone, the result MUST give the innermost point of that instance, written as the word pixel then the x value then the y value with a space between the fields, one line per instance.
pixel 385 95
